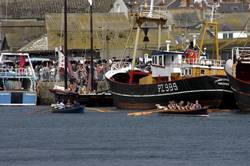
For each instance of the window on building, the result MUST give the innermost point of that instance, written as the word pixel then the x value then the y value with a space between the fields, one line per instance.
pixel 118 8
pixel 230 35
pixel 224 35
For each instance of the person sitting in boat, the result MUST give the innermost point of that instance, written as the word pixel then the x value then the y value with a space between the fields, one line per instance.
pixel 187 107
pixel 76 103
pixel 181 105
pixel 197 105
pixel 68 104
pixel 170 106
pixel 61 105
pixel 73 85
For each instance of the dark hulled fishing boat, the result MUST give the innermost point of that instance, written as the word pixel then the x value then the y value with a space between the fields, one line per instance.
pixel 177 81
pixel 238 72
pixel 209 90
pixel 186 76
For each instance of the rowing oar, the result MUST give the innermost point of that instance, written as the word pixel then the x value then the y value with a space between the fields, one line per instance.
pixel 98 109
pixel 142 113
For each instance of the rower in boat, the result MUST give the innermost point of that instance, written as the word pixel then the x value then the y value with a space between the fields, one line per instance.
pixel 189 108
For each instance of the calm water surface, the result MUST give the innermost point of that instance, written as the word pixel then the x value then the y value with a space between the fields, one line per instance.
pixel 32 136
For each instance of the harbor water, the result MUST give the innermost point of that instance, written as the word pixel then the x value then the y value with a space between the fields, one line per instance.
pixel 33 136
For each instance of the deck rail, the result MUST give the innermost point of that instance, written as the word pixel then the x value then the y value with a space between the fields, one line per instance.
pixel 242 53
pixel 158 12
pixel 16 72
pixel 204 62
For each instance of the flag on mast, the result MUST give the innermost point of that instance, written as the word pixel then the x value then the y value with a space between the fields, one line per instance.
pixel 90 2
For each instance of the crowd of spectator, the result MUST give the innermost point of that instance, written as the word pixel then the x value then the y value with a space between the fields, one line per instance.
pixel 79 70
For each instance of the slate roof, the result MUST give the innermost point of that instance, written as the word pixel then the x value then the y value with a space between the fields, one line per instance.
pixel 21 9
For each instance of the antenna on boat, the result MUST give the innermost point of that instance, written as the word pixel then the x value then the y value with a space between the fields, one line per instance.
pixel 65 46
pixel 150 14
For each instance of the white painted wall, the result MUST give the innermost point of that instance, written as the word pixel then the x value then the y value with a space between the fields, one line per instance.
pixel 119 7
pixel 236 34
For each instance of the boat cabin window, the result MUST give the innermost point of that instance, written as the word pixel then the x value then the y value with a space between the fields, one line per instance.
pixel 155 60
pixel 190 71
pixel 202 72
pixel 160 60
pixel 186 72
pixel 172 58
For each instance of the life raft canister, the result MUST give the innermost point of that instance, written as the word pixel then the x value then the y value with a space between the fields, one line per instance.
pixel 191 56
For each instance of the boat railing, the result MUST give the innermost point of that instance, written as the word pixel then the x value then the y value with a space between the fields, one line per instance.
pixel 158 12
pixel 119 65
pixel 203 62
pixel 241 52
pixel 16 72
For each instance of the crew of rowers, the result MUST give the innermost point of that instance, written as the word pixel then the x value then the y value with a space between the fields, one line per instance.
pixel 68 104
pixel 173 106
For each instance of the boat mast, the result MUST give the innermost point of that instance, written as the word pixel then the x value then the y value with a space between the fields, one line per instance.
pixel 65 46
pixel 91 46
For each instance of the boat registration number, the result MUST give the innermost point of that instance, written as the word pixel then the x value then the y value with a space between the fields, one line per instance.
pixel 168 87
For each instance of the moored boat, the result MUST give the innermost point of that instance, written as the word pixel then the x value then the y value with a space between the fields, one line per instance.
pixel 66 98
pixel 73 109
pixel 186 76
pixel 17 80
pixel 66 102
pixel 237 69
